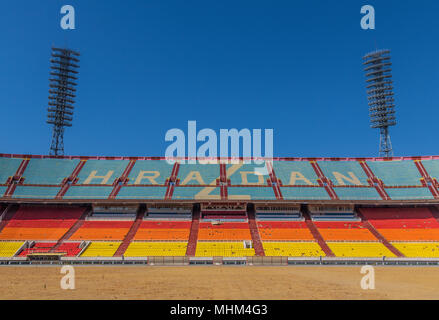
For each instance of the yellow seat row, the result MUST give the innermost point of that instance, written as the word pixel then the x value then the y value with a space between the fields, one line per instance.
pixel 8 249
pixel 223 249
pixel 101 249
pixel 418 249
pixel 147 249
pixel 293 249
pixel 359 249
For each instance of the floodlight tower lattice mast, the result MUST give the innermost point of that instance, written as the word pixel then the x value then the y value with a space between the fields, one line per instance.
pixel 62 91
pixel 379 87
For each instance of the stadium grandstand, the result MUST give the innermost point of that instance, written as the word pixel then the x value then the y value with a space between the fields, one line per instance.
pixel 137 210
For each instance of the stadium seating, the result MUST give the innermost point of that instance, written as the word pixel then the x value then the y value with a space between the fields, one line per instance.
pixel 198 174
pixel 404 224
pixel 101 249
pixel 38 247
pixel 302 193
pixel 223 249
pixel 40 223
pixel 9 248
pixel 102 230
pixel 190 193
pixel 418 249
pixel 224 231
pixel 293 249
pixel 242 174
pixel 145 249
pixel 150 172
pixel 344 231
pixel 409 193
pixel 346 193
pixel 432 167
pixel 284 231
pixel 251 193
pixel 343 173
pixel 79 192
pixel 295 172
pixel 27 192
pixel 101 171
pixel 49 171
pixel 163 230
pixel 134 192
pixel 8 168
pixel 359 249
pixel 396 173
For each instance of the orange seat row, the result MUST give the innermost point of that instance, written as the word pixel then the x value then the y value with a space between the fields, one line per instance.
pixel 32 233
pixel 100 234
pixel 286 234
pixel 410 234
pixel 347 235
pixel 162 234
pixel 224 234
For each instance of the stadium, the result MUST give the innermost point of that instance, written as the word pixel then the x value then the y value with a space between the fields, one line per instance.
pixel 146 211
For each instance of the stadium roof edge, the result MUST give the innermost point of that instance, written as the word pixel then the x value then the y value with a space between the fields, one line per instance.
pixel 29 156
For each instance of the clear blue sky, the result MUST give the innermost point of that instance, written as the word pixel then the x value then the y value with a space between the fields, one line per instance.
pixel 149 66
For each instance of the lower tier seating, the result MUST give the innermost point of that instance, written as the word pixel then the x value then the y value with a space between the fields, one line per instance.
pixel 410 234
pixel 102 230
pixel 418 249
pixel 225 231
pixel 344 231
pixel 293 249
pixel 8 248
pixel 163 230
pixel 101 249
pixel 147 249
pixel 223 249
pixel 283 230
pixel 359 249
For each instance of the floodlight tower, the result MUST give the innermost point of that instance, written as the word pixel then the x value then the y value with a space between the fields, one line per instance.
pixel 380 95
pixel 62 91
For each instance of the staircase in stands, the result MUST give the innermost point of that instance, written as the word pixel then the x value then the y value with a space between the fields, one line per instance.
pixel 316 234
pixel 72 230
pixel 379 236
pixel 193 235
pixel 131 233
pixel 257 243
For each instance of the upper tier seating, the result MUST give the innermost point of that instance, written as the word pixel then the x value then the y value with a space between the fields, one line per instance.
pixel 251 193
pixel 295 172
pixel 242 174
pixel 283 230
pixel 26 192
pixel 150 172
pixel 49 171
pixel 131 192
pixel 79 192
pixel 224 231
pixel 396 173
pixel 302 193
pixel 409 193
pixel 8 168
pixel 346 193
pixel 198 174
pixel 360 249
pixel 292 249
pixel 41 223
pixel 432 167
pixel 198 193
pixel 9 248
pixel 223 249
pixel 102 230
pixel 101 171
pixel 163 230
pixel 344 173
pixel 101 249
pixel 344 231
pixel 148 249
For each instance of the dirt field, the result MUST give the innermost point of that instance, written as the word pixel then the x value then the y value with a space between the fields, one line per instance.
pixel 219 282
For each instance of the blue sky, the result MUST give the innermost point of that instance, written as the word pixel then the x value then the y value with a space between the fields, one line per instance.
pixel 149 66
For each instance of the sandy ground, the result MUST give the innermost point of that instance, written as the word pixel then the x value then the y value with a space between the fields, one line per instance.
pixel 219 282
